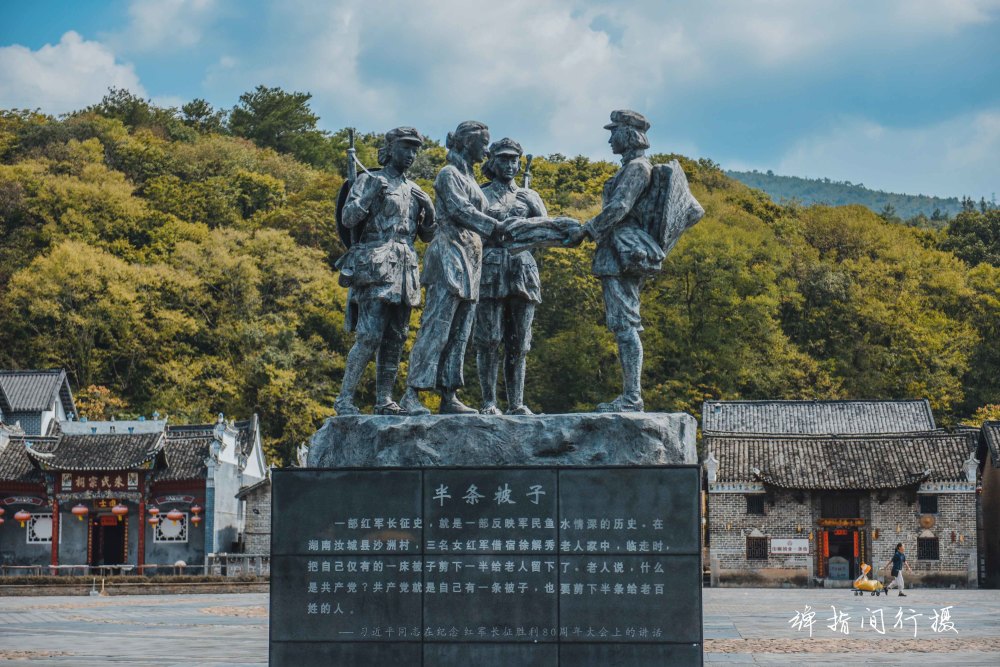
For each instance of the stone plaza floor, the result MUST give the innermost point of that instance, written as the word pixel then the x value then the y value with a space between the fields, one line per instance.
pixel 742 627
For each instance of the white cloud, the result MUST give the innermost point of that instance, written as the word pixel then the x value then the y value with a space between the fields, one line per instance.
pixel 164 25
pixel 952 158
pixel 545 73
pixel 539 66
pixel 546 70
pixel 63 77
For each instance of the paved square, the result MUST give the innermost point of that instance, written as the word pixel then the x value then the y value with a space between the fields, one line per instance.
pixel 742 627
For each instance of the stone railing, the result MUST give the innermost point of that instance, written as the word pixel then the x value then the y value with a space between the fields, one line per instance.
pixel 234 565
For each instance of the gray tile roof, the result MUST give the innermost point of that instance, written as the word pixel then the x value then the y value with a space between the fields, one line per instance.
pixel 174 456
pixel 105 451
pixel 841 462
pixel 817 417
pixel 185 458
pixel 33 391
pixel 989 446
pixel 246 430
pixel 15 466
pixel 247 490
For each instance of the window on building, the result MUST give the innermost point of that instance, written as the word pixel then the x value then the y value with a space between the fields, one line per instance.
pixel 927 504
pixel 40 529
pixel 927 548
pixel 756 548
pixel 837 506
pixel 171 531
pixel 755 504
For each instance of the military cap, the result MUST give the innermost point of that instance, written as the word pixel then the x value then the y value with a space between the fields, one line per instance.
pixel 404 134
pixel 506 146
pixel 628 118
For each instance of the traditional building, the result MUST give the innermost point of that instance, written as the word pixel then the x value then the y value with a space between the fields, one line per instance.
pixel 256 533
pixel 805 491
pixel 33 400
pixel 989 466
pixel 115 493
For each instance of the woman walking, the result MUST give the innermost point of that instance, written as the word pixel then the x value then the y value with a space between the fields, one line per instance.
pixel 898 562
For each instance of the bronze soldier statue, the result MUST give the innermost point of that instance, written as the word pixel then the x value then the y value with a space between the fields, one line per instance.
pixel 452 267
pixel 645 210
pixel 509 287
pixel 383 213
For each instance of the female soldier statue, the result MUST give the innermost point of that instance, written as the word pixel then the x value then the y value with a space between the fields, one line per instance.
pixel 509 287
pixel 452 267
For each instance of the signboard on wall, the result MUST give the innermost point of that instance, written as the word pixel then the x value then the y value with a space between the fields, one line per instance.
pixel 96 482
pixel 841 523
pixel 791 546
pixel 23 500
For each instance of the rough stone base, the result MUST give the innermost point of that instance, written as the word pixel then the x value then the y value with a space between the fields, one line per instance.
pixel 480 440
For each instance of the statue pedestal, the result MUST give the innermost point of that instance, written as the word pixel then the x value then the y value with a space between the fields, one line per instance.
pixel 579 439
pixel 448 541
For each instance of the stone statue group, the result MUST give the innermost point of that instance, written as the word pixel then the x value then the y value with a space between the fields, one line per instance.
pixel 480 277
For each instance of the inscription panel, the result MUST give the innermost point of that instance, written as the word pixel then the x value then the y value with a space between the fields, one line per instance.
pixel 440 566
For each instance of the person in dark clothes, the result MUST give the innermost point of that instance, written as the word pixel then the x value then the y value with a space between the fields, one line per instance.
pixel 898 562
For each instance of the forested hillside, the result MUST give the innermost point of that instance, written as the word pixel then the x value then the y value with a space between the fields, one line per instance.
pixel 921 210
pixel 180 261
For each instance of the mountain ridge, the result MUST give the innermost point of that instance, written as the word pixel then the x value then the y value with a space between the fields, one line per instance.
pixel 785 189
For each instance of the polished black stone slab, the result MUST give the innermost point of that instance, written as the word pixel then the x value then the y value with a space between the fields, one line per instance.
pixel 631 510
pixel 486 566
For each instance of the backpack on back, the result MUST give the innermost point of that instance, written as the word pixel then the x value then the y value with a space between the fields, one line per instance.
pixel 668 207
pixel 665 210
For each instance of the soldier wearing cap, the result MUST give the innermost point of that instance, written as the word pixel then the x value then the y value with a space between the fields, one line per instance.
pixel 509 287
pixel 391 211
pixel 452 268
pixel 620 282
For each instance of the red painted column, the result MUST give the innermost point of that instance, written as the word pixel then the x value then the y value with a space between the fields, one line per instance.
pixel 55 533
pixel 141 550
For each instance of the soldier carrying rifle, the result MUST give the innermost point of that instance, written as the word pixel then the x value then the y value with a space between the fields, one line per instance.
pixel 379 218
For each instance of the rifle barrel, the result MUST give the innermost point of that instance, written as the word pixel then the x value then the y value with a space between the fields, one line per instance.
pixel 352 169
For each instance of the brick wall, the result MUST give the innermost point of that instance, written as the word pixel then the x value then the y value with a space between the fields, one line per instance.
pixel 956 513
pixel 729 525
pixel 257 530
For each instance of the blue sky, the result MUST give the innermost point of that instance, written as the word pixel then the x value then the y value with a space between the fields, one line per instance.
pixel 903 96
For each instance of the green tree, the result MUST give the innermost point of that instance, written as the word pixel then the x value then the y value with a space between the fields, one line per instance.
pixel 273 118
pixel 83 309
pixel 201 116
pixel 974 237
pixel 135 112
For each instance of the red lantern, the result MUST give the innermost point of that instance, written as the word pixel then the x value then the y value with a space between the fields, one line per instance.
pixel 196 509
pixel 2 511
pixel 196 520
pixel 1 520
pixel 80 511
pixel 175 515
pixel 154 511
pixel 22 517
pixel 119 511
pixel 154 520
